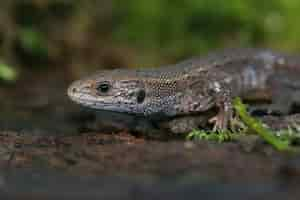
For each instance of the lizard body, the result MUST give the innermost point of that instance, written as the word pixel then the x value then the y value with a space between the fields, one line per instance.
pixel 194 86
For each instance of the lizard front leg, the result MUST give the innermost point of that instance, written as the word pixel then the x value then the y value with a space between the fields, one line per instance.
pixel 225 110
pixel 222 96
pixel 185 124
pixel 203 98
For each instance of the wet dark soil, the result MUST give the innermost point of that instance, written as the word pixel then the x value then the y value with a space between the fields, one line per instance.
pixel 51 148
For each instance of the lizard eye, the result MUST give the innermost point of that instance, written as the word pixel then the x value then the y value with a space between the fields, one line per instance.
pixel 103 87
pixel 141 96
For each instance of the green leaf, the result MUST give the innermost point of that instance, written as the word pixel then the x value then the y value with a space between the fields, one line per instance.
pixel 260 129
pixel 33 41
pixel 7 73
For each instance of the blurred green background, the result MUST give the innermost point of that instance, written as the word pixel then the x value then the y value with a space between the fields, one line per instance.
pixel 81 36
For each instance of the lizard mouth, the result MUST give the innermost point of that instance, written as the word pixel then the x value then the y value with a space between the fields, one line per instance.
pixel 85 99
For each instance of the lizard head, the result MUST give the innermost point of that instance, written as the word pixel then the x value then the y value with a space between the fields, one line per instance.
pixel 115 90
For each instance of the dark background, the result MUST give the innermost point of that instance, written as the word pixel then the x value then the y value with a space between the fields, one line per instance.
pixel 81 36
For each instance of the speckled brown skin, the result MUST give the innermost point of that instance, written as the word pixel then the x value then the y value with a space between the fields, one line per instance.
pixel 186 90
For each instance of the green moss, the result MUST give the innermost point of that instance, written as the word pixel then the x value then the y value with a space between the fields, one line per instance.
pixel 219 136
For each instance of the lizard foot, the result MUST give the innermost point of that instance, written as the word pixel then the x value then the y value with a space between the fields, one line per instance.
pixel 221 120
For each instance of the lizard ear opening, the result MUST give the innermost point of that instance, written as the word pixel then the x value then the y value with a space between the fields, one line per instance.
pixel 141 94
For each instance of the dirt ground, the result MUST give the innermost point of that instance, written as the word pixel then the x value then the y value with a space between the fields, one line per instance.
pixel 51 148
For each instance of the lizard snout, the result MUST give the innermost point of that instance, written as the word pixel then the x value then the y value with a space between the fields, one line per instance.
pixel 71 90
pixel 78 88
pixel 74 89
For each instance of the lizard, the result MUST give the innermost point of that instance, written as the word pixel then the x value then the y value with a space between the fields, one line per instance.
pixel 186 91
